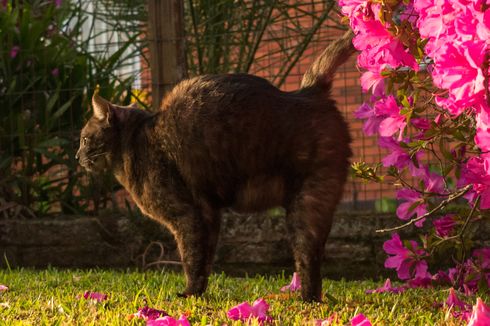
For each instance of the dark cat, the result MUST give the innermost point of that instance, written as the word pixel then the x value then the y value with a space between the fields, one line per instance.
pixel 231 141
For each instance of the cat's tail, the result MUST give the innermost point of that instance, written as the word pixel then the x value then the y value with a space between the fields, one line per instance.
pixel 320 74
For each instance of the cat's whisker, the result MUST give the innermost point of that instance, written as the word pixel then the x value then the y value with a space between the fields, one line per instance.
pixel 98 154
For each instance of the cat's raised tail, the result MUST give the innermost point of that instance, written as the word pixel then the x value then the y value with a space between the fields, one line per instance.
pixel 322 71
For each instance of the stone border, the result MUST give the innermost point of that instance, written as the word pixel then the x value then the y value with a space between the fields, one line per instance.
pixel 248 243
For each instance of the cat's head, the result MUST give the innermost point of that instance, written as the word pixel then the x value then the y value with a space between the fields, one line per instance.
pixel 99 136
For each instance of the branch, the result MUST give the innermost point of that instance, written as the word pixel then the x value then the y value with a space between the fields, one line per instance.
pixel 442 204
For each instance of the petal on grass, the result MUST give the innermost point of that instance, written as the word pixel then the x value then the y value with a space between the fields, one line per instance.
pixel 3 288
pixel 480 316
pixel 97 296
pixel 148 313
pixel 295 284
pixel 360 320
pixel 244 311
pixel 240 312
pixel 387 287
pixel 169 321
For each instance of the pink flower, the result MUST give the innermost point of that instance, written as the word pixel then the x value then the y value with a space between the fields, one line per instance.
pixel 397 156
pixel 387 288
pixel 373 80
pixel 97 296
pixel 169 321
pixel 57 3
pixel 477 172
pixel 3 288
pixel 459 308
pixel 453 301
pixel 360 320
pixel 55 72
pixel 371 126
pixel 457 68
pixel 14 51
pixel 393 122
pixel 244 311
pixel 420 123
pixel 148 313
pixel 412 204
pixel 295 284
pixel 407 262
pixel 480 315
pixel 433 182
pixel 444 226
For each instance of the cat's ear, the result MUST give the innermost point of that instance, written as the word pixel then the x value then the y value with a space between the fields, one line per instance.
pixel 102 108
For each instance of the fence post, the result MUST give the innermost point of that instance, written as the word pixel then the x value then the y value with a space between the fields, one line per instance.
pixel 166 42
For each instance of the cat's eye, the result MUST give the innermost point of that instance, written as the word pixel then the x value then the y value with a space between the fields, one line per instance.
pixel 84 140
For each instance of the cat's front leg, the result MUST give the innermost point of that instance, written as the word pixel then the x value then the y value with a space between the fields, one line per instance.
pixel 196 238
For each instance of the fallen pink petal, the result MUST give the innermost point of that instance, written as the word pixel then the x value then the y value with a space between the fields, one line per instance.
pixel 148 313
pixel 97 296
pixel 458 308
pixel 387 287
pixel 480 316
pixel 295 284
pixel 169 321
pixel 330 320
pixel 3 288
pixel 244 311
pixel 360 320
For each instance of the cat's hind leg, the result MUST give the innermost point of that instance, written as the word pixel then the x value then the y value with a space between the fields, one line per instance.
pixel 309 219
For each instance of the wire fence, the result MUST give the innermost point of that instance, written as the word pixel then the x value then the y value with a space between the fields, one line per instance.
pixel 47 80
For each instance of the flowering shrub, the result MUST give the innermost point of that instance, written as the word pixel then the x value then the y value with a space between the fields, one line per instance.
pixel 426 65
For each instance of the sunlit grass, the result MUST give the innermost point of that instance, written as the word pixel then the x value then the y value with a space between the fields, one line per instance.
pixel 52 297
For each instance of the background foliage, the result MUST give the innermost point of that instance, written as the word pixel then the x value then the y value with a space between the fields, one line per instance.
pixel 49 67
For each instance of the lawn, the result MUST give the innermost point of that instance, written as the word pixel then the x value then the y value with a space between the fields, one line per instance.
pixel 53 296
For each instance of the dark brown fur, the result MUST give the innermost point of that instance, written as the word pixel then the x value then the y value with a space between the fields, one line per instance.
pixel 231 141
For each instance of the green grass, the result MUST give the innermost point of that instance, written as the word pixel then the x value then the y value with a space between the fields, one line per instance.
pixel 49 297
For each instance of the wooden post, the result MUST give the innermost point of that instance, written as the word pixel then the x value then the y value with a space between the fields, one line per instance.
pixel 166 41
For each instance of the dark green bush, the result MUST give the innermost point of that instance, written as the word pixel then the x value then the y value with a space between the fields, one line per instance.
pixel 47 75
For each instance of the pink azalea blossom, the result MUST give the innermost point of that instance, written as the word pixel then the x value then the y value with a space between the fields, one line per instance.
pixel 412 204
pixel 148 313
pixel 407 262
pixel 97 296
pixel 445 225
pixel 397 156
pixel 469 275
pixel 373 80
pixel 295 284
pixel 244 311
pixel 169 321
pixel 387 287
pixel 393 122
pixel 453 301
pixel 371 125
pixel 459 308
pixel 360 320
pixel 420 123
pixel 434 182
pixel 480 315
pixel 477 172
pixel 14 51
pixel 3 288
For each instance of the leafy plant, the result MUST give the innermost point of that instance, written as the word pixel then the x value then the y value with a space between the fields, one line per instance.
pixel 48 71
